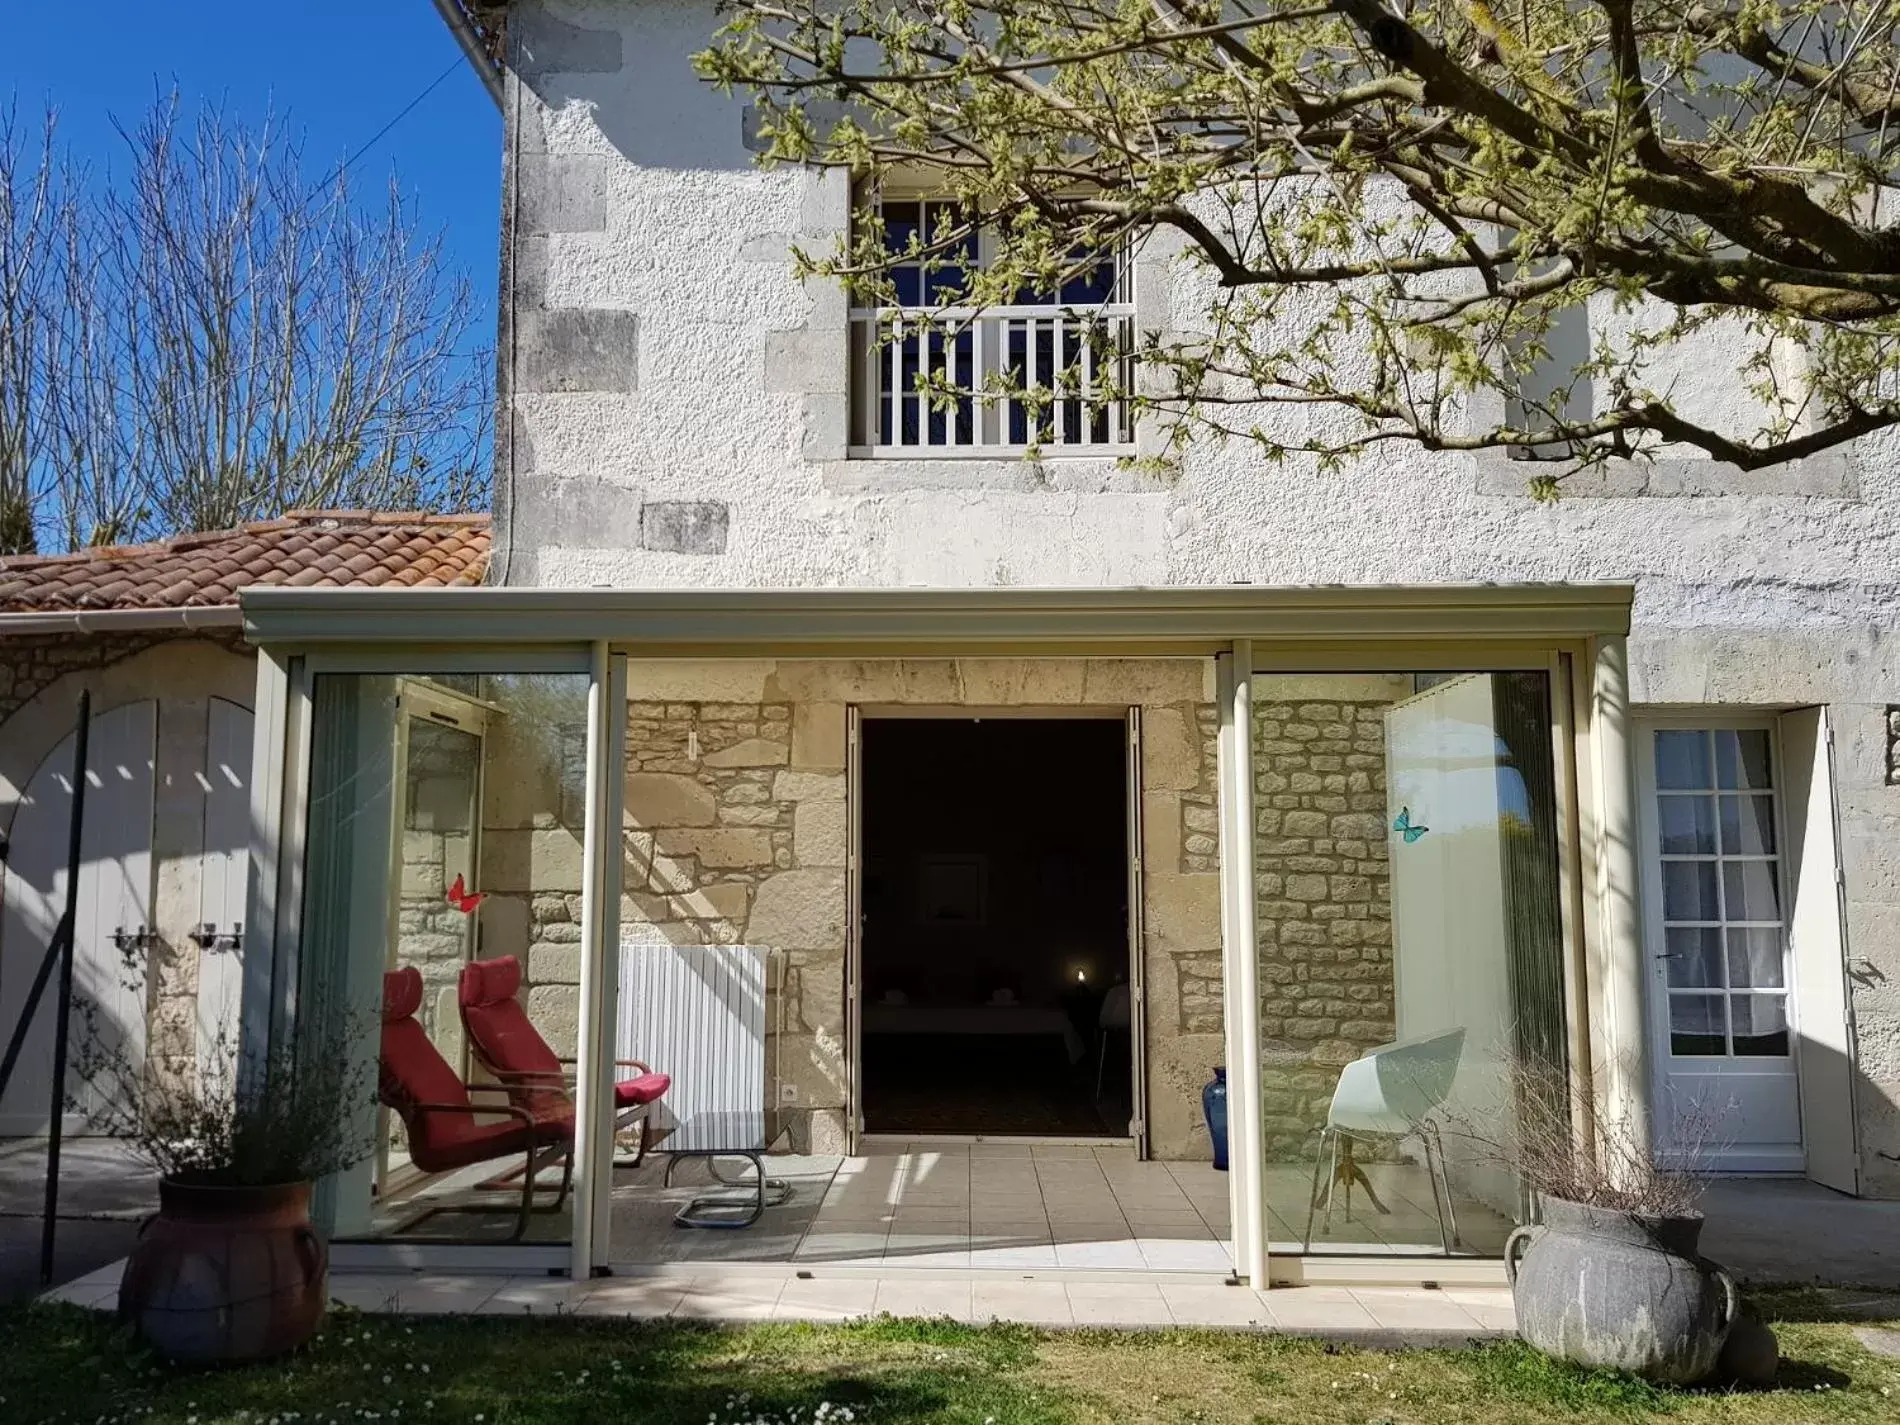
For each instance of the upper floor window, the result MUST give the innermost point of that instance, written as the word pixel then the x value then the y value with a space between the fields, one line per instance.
pixel 1050 371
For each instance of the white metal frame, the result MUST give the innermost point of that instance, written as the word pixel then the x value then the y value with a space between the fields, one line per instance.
pixel 1571 630
pixel 280 806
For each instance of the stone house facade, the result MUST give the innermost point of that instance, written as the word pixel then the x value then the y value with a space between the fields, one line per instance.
pixel 679 411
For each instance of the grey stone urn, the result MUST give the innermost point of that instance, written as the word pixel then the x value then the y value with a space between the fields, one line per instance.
pixel 1607 1288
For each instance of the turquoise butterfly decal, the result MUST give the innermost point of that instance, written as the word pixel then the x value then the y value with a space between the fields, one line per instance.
pixel 1403 825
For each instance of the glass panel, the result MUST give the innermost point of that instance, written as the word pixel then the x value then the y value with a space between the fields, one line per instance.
pixel 1682 761
pixel 1696 1026
pixel 1748 826
pixel 1693 958
pixel 1755 960
pixel 443 831
pixel 1689 891
pixel 900 225
pixel 1761 1025
pixel 1741 759
pixel 1410 947
pixel 1748 890
pixel 1688 825
pixel 441 784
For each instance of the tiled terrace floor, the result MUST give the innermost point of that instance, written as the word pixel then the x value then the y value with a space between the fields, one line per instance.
pixel 1006 1207
pixel 1369 1315
pixel 1022 1207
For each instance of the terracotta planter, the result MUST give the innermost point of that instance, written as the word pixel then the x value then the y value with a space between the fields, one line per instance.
pixel 227 1274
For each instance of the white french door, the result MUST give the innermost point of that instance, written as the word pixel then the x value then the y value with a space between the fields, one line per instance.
pixel 1722 1013
pixel 113 932
pixel 221 884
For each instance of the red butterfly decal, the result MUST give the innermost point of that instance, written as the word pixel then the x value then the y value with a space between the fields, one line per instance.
pixel 464 899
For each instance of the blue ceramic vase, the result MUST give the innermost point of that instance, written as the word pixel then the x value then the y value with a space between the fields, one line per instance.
pixel 1214 1106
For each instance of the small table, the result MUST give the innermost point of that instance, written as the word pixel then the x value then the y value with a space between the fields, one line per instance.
pixel 713 1136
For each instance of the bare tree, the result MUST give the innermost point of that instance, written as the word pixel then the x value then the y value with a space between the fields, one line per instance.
pixel 31 206
pixel 1388 208
pixel 234 334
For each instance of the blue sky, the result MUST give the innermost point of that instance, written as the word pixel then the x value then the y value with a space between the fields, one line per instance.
pixel 338 70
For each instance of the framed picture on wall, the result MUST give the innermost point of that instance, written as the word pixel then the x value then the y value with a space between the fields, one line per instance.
pixel 952 888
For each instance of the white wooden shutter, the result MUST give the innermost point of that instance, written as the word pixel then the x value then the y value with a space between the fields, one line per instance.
pixel 221 884
pixel 1817 939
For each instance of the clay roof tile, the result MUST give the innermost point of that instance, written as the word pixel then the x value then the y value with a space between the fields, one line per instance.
pixel 304 549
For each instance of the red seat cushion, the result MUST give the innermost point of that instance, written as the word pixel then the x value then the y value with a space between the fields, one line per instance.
pixel 506 1040
pixel 412 1073
pixel 633 1093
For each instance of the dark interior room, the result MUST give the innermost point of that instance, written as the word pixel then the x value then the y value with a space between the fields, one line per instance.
pixel 995 897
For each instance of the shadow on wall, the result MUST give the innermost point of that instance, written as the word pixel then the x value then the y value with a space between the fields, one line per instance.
pixel 113 961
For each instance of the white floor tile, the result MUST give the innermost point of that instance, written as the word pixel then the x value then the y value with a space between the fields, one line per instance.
pixel 729 1299
pixel 448 1295
pixel 1118 1304
pixel 928 1299
pixel 1195 1305
pixel 1317 1308
pixel 1033 1303
pixel 1122 1255
pixel 1173 1255
pixel 1404 1309
pixel 535 1296
pixel 835 1299
pixel 633 1297
pixel 1021 1258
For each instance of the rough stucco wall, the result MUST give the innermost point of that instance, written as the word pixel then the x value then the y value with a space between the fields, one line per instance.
pixel 677 413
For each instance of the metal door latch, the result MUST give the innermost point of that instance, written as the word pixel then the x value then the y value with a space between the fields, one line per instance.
pixel 130 942
pixel 206 934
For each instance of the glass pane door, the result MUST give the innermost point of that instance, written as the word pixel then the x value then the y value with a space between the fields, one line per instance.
pixel 446 825
pixel 1723 952
pixel 1720 989
pixel 1410 955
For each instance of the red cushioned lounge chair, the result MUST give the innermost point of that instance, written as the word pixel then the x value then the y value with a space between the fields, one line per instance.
pixel 507 1044
pixel 447 1130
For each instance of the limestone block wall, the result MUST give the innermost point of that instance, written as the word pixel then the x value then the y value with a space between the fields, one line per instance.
pixel 432 934
pixel 1323 893
pixel 736 833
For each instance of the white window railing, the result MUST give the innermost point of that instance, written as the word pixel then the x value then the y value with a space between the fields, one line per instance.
pixel 1049 378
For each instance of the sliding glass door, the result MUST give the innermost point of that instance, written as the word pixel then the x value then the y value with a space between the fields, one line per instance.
pixel 443 896
pixel 1408 923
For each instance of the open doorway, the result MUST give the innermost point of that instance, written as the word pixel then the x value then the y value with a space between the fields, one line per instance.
pixel 995 935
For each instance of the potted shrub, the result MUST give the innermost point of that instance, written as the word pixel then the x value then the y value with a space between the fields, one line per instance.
pixel 1610 1275
pixel 231 1268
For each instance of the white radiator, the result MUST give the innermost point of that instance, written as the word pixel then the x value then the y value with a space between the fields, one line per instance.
pixel 697 1012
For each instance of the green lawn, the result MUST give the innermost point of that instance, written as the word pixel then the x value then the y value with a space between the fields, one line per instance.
pixel 61 1363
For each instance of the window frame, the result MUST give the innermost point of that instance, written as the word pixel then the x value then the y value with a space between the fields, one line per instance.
pixel 1043 329
pixel 1656 924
